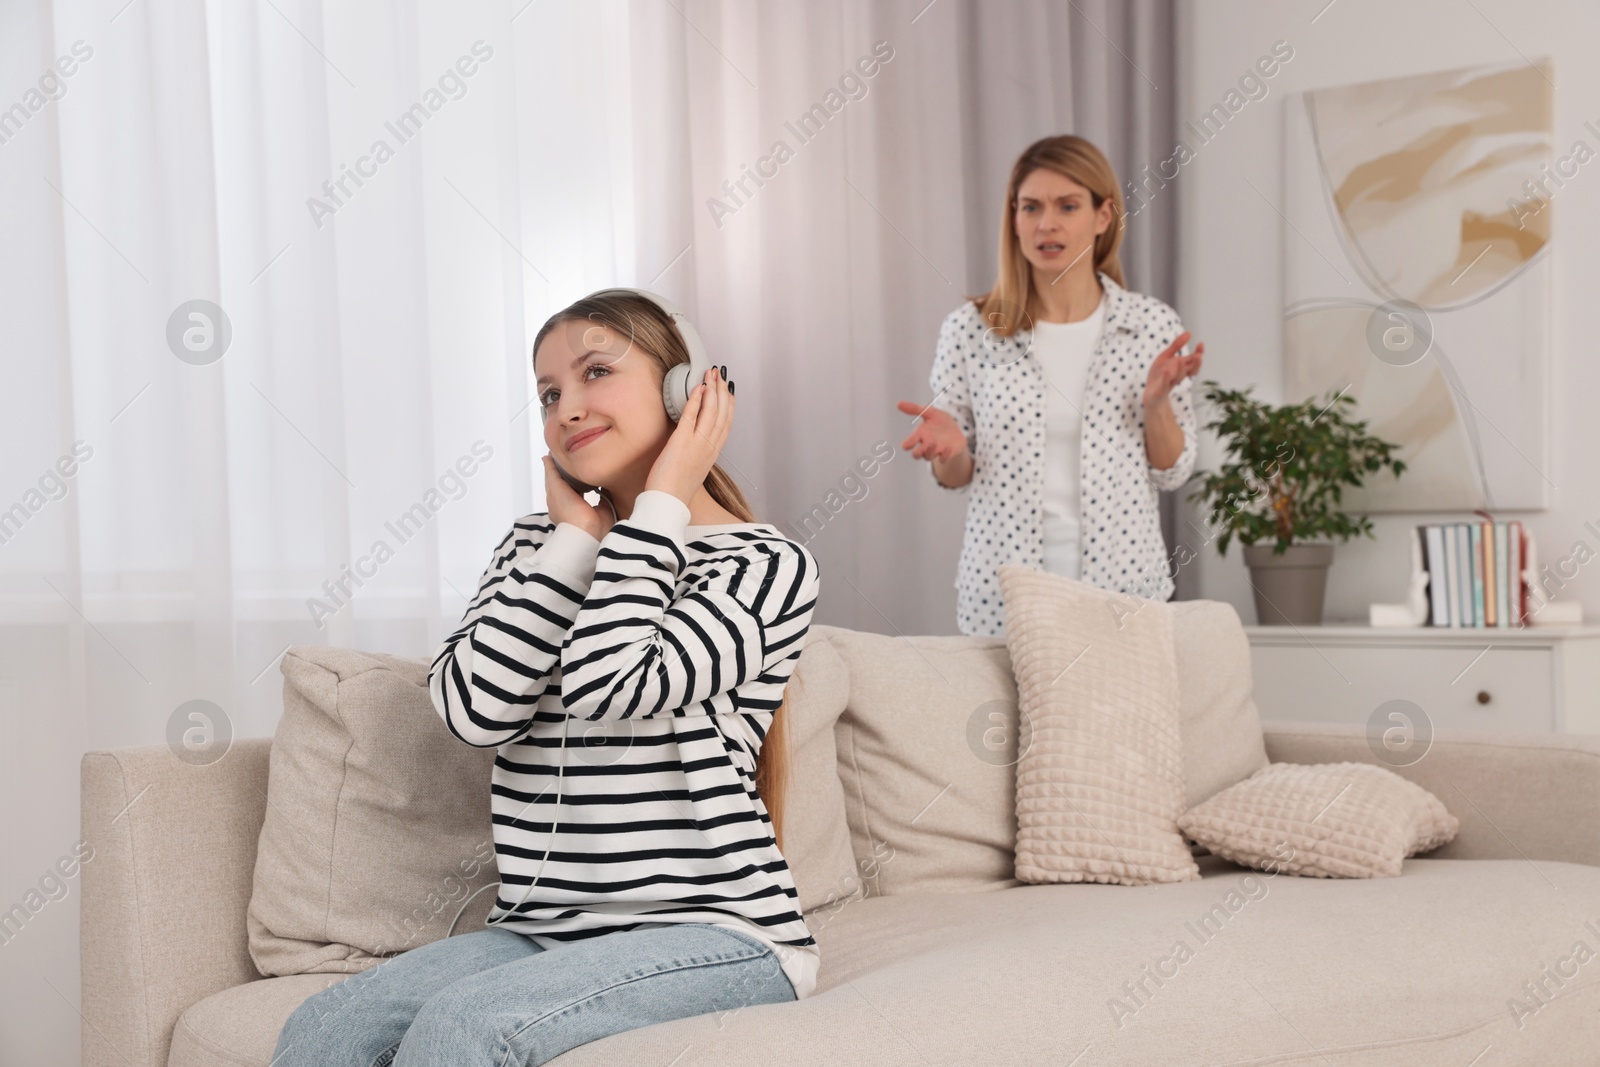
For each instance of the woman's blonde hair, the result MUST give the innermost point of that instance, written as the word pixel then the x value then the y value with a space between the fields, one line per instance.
pixel 651 331
pixel 1013 303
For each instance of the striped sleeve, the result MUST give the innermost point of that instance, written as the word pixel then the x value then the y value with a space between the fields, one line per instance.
pixel 488 676
pixel 638 649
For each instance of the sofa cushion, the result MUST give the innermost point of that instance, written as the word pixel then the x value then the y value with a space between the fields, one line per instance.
pixel 239 1027
pixel 927 757
pixel 1428 968
pixel 377 826
pixel 816 836
pixel 1327 820
pixel 1421 969
pixel 1223 741
pixel 1100 787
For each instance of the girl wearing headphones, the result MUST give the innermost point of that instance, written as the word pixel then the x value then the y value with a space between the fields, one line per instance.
pixel 1061 396
pixel 629 663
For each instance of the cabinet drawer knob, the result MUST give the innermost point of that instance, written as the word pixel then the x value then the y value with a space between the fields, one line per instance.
pixel 1483 696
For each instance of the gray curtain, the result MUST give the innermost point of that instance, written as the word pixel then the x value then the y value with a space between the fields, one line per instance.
pixel 1102 69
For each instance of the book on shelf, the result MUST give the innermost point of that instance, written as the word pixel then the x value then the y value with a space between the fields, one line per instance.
pixel 1472 576
pixel 1475 572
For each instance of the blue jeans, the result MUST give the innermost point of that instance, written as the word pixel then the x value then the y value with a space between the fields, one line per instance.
pixel 494 998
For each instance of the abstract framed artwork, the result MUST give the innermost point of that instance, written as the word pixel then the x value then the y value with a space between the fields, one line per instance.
pixel 1418 213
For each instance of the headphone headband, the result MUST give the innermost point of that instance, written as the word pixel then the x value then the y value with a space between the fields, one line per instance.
pixel 675 387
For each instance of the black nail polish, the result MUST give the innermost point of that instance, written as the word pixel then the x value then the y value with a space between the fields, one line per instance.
pixel 730 387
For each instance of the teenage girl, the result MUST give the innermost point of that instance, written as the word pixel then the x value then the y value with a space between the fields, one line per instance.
pixel 629 662
pixel 1062 397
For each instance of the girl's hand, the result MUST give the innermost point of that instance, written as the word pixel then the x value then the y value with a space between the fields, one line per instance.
pixel 566 504
pixel 696 441
pixel 1169 369
pixel 937 436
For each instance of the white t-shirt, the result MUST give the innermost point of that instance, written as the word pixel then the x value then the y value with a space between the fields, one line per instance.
pixel 1065 350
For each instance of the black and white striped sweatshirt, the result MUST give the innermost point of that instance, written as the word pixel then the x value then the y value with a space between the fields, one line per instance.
pixel 661 652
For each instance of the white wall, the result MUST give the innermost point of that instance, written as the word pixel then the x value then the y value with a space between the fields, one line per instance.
pixel 1232 246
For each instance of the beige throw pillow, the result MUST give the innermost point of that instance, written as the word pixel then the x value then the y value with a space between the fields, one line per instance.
pixel 1327 820
pixel 927 757
pixel 377 826
pixel 1222 738
pixel 816 838
pixel 1100 786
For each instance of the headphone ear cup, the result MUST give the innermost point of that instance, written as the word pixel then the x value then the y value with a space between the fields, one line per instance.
pixel 673 392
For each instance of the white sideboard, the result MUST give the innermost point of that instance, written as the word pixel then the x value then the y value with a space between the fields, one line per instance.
pixel 1530 680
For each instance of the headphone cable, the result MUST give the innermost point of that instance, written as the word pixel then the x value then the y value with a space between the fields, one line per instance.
pixel 560 773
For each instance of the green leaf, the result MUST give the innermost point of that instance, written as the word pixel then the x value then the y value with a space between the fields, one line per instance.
pixel 1286 467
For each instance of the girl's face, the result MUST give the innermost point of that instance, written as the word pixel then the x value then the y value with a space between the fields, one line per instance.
pixel 1056 221
pixel 604 419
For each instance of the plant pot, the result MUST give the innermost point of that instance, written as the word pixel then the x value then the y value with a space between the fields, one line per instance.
pixel 1289 587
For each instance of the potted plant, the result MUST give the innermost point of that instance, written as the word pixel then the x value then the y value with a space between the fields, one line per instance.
pixel 1282 483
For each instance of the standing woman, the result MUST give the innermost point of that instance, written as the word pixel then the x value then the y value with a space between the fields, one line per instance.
pixel 1060 395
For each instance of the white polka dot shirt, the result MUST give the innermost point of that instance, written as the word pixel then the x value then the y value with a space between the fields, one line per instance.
pixel 995 387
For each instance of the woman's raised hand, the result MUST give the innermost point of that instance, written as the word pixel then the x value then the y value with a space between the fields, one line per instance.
pixel 1170 368
pixel 566 504
pixel 696 441
pixel 937 436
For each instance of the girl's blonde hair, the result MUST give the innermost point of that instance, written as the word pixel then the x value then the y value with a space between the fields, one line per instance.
pixel 1013 303
pixel 652 333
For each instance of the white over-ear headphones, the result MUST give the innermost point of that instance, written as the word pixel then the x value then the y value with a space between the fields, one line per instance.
pixel 679 381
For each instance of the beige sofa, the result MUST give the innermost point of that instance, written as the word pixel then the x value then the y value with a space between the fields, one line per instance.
pixel 931 952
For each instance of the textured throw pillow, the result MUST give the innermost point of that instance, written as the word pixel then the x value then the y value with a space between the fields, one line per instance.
pixel 1100 787
pixel 1327 820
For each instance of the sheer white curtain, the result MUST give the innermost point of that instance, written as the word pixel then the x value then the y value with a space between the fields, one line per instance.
pixel 385 201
